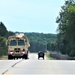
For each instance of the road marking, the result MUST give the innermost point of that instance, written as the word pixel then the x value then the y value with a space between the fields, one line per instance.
pixel 6 73
pixel 16 63
pixel 20 62
pixel 14 67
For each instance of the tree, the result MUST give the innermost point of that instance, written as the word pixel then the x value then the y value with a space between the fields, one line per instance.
pixel 39 41
pixel 66 28
pixel 3 30
pixel 3 47
pixel 49 46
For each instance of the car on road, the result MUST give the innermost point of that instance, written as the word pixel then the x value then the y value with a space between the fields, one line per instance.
pixel 41 54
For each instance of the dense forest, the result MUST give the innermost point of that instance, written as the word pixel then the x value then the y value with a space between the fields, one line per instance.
pixel 66 28
pixel 38 41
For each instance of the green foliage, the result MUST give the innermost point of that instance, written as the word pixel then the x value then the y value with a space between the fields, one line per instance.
pixel 3 47
pixel 3 30
pixel 52 46
pixel 39 41
pixel 10 33
pixel 66 28
pixel 3 38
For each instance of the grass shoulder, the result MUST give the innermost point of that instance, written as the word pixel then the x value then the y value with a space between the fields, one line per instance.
pixel 4 57
pixel 49 58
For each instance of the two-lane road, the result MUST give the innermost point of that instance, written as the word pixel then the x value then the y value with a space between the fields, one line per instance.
pixel 35 67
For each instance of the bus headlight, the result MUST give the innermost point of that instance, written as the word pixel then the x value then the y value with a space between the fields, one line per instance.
pixel 23 52
pixel 11 52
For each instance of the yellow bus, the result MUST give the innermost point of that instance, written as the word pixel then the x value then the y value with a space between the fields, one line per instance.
pixel 18 46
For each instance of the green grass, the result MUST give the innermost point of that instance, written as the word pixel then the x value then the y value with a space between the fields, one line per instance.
pixel 49 58
pixel 4 57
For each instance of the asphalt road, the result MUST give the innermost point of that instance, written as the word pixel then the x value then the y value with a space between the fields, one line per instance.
pixel 33 66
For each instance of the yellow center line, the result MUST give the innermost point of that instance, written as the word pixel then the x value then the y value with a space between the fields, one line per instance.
pixel 21 62
pixel 6 73
pixel 14 67
pixel 18 63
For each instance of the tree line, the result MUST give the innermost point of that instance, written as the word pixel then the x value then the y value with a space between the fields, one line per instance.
pixel 38 41
pixel 4 33
pixel 66 28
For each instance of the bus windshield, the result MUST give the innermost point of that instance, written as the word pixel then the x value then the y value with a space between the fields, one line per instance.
pixel 21 43
pixel 13 43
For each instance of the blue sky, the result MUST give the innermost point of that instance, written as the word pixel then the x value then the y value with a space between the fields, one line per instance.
pixel 30 15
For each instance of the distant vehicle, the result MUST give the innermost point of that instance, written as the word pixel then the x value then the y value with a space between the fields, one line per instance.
pixel 18 46
pixel 41 54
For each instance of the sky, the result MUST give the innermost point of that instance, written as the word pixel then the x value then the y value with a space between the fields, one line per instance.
pixel 30 15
